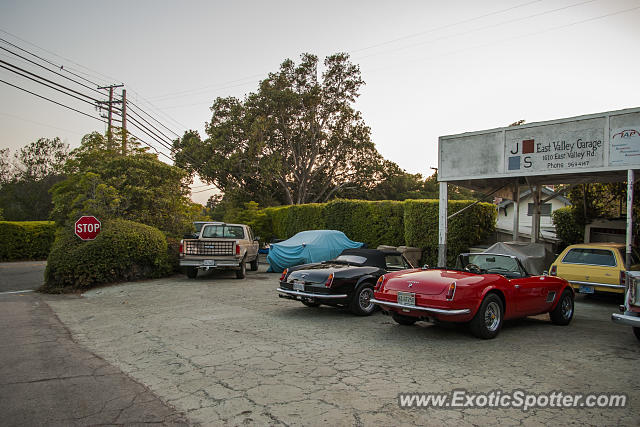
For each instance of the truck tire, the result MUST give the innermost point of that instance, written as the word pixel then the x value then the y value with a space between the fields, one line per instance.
pixel 254 264
pixel 192 272
pixel 242 271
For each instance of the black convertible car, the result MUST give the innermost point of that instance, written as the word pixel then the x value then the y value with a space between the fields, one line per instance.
pixel 346 281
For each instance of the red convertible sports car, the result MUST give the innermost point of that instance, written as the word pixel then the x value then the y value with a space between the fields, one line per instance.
pixel 483 290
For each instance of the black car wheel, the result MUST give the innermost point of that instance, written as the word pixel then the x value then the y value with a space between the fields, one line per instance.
pixel 361 302
pixel 254 264
pixel 242 271
pixel 403 320
pixel 636 332
pixel 563 313
pixel 192 272
pixel 488 320
pixel 311 303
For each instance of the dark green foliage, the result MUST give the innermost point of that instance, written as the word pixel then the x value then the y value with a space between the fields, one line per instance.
pixel 26 240
pixel 375 223
pixel 124 250
pixel 411 223
pixel 568 227
pixel 464 230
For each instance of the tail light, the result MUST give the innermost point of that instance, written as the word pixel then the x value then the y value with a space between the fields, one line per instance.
pixel 554 270
pixel 451 292
pixel 237 249
pixel 379 283
pixel 284 274
pixel 329 281
pixel 623 277
pixel 181 247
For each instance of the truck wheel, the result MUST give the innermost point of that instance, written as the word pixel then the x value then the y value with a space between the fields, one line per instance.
pixel 254 264
pixel 192 272
pixel 636 332
pixel 242 271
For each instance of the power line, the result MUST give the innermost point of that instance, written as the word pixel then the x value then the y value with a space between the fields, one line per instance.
pixel 53 71
pixel 152 118
pixel 51 100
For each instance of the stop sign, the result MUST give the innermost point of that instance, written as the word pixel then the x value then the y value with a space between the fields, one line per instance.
pixel 87 227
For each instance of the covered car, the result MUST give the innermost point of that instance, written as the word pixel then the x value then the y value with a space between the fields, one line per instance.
pixel 535 257
pixel 308 247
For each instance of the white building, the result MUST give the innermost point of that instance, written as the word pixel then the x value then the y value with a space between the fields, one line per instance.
pixel 547 229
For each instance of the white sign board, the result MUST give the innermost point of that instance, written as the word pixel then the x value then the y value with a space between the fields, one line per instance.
pixel 624 148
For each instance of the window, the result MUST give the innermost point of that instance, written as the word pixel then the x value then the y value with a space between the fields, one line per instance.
pixel 395 262
pixel 545 209
pixel 602 257
pixel 223 231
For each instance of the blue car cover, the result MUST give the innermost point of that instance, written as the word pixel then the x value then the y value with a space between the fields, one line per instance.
pixel 307 247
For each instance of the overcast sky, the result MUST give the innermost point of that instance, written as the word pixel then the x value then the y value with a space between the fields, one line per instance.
pixel 431 67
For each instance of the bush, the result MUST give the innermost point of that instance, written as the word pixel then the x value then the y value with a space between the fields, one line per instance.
pixel 568 229
pixel 374 223
pixel 464 230
pixel 25 240
pixel 124 250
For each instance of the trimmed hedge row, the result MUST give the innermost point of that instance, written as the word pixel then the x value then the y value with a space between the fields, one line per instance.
pixel 568 230
pixel 25 240
pixel 124 250
pixel 411 223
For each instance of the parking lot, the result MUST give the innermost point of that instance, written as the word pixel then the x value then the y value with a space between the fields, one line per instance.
pixel 228 351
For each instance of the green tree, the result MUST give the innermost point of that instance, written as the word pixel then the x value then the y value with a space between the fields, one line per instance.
pixel 296 140
pixel 25 182
pixel 136 186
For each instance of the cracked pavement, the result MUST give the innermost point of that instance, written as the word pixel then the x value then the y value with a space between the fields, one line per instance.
pixel 230 352
pixel 48 379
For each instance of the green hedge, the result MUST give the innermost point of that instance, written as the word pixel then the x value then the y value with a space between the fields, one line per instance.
pixel 124 250
pixel 464 230
pixel 568 229
pixel 25 240
pixel 411 223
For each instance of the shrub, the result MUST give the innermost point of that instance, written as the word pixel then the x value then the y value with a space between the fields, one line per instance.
pixel 25 240
pixel 464 230
pixel 374 223
pixel 285 221
pixel 124 250
pixel 568 229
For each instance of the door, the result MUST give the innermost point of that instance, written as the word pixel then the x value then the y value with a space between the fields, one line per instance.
pixel 533 294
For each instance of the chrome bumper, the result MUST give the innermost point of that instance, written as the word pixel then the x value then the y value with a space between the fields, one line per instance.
pixel 308 295
pixel 624 319
pixel 201 264
pixel 429 309
pixel 602 285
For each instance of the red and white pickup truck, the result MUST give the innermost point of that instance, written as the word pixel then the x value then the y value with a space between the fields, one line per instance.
pixel 220 246
pixel 631 309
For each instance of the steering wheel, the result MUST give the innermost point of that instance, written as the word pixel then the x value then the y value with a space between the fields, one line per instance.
pixel 473 268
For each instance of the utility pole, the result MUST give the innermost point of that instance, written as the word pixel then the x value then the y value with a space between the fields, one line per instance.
pixel 110 113
pixel 124 122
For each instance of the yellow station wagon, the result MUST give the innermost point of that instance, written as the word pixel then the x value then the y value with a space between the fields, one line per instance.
pixel 594 267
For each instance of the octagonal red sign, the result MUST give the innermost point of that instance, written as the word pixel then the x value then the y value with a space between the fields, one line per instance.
pixel 87 227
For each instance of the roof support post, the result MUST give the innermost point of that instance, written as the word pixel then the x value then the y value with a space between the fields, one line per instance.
pixel 442 225
pixel 630 181
pixel 535 221
pixel 516 211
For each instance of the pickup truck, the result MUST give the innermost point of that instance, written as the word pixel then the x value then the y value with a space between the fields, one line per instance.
pixel 220 246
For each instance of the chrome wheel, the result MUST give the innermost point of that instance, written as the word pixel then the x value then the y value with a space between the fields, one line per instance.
pixel 492 316
pixel 364 300
pixel 567 307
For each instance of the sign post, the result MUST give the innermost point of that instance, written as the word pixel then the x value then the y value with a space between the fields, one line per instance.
pixel 87 227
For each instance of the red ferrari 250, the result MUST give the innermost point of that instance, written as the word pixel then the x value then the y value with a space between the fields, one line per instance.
pixel 484 290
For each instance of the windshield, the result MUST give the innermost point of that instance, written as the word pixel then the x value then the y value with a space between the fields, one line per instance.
pixel 491 263
pixel 223 231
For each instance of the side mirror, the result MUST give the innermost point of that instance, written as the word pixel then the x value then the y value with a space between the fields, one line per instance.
pixel 425 267
pixel 545 273
pixel 256 238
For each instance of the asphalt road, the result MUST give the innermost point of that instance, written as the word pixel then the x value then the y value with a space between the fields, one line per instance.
pixel 21 276
pixel 46 378
pixel 230 352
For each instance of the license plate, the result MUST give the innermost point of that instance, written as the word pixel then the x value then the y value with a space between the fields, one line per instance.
pixel 406 298
pixel 297 286
pixel 209 262
pixel 586 289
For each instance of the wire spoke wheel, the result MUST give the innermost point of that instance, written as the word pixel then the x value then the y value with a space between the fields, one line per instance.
pixel 492 316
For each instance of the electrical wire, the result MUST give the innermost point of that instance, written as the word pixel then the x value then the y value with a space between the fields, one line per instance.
pixel 151 117
pixel 51 100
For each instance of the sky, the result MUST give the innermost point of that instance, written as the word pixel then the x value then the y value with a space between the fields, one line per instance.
pixel 431 68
